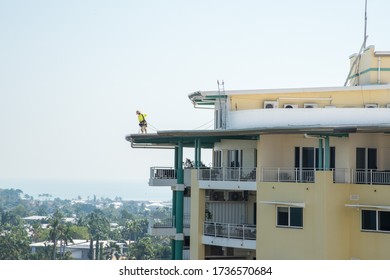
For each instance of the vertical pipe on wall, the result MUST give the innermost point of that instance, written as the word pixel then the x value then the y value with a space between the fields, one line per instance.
pixel 327 153
pixel 379 69
pixel 320 152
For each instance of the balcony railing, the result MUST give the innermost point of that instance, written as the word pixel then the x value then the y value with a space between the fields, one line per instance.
pixel 280 174
pixel 234 231
pixel 168 222
pixel 162 173
pixel 340 175
pixel 227 174
pixel 372 177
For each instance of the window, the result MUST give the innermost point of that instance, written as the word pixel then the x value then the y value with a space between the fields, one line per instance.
pixel 289 217
pixel 235 158
pixel 366 158
pixel 375 220
pixel 308 157
pixel 217 159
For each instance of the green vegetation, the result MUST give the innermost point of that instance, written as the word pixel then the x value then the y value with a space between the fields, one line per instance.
pixel 64 221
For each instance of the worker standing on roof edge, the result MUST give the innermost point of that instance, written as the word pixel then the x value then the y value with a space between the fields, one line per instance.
pixel 142 121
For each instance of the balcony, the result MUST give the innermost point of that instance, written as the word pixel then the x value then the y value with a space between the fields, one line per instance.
pixel 369 176
pixel 233 178
pixel 340 175
pixel 229 235
pixel 162 176
pixel 293 175
pixel 237 178
pixel 167 176
pixel 166 226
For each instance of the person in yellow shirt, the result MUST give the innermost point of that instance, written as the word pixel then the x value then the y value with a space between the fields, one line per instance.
pixel 142 121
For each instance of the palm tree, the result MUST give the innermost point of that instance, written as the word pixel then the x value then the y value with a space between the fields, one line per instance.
pixel 65 237
pixel 98 227
pixel 135 229
pixel 55 225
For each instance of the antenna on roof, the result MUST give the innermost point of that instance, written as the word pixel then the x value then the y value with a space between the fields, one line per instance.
pixel 365 24
pixel 358 56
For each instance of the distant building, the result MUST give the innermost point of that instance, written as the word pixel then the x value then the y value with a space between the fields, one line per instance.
pixel 79 249
pixel 299 173
pixel 44 219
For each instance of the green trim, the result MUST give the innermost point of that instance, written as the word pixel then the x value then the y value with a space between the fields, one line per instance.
pixel 205 103
pixel 207 142
pixel 215 96
pixel 179 202
pixel 205 100
pixel 369 70
pixel 173 242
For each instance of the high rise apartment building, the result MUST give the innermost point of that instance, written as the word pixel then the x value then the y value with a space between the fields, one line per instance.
pixel 299 173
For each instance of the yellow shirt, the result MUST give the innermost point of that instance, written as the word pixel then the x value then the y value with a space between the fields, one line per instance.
pixel 142 117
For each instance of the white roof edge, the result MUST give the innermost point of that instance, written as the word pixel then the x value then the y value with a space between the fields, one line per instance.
pixel 298 90
pixel 368 206
pixel 382 53
pixel 297 204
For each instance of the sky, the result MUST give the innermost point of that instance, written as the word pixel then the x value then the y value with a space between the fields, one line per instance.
pixel 73 73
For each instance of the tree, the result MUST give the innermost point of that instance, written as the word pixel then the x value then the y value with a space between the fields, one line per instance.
pixel 37 233
pixel 14 242
pixel 79 232
pixel 98 227
pixel 135 229
pixel 55 226
pixel 65 237
pixel 10 197
pixel 143 249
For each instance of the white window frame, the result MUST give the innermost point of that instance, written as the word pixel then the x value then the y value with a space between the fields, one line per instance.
pixel 376 221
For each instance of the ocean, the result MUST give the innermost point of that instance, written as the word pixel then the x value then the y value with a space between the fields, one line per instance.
pixel 87 189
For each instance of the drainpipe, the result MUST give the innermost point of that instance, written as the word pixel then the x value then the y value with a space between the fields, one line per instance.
pixel 379 69
pixel 327 154
pixel 326 157
pixel 320 157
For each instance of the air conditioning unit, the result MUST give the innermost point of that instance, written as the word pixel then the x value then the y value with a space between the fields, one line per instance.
pixel 310 105
pixel 330 106
pixel 290 106
pixel 371 105
pixel 388 106
pixel 271 104
pixel 236 196
pixel 217 196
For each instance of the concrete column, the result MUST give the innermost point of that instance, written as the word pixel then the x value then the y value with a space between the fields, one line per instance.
pixel 199 152
pixel 179 201
pixel 196 161
pixel 198 205
pixel 173 242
